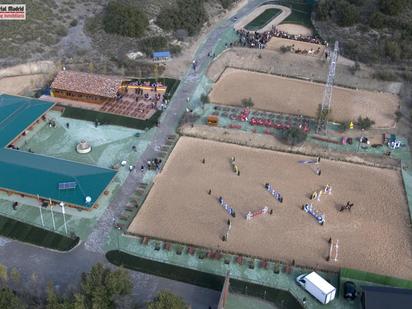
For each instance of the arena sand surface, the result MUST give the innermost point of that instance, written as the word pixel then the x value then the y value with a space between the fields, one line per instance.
pixel 293 96
pixel 294 29
pixel 374 237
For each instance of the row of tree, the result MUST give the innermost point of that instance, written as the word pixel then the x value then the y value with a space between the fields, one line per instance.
pixel 100 288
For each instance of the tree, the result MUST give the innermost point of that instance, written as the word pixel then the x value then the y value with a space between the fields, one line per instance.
pixel 204 98
pixel 392 50
pixel 100 286
pixel 365 123
pixel 247 102
pixel 167 300
pixel 8 299
pixel 392 7
pixel 185 14
pixel 377 20
pixel 125 20
pixel 294 136
pixel 347 13
pixel 323 9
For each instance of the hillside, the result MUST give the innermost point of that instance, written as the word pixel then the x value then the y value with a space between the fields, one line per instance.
pixel 71 32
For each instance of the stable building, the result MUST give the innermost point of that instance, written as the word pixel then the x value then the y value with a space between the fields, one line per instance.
pixel 86 87
pixel 46 179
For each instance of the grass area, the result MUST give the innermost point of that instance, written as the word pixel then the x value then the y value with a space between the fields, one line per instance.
pixel 106 118
pixel 165 270
pixel 34 235
pixel 301 12
pixel 348 273
pixel 263 19
pixel 280 298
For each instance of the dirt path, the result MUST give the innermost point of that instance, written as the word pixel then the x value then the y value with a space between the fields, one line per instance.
pixel 277 20
pixel 374 237
pixel 292 96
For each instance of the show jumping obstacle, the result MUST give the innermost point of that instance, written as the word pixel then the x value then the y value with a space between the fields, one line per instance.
pixel 276 194
pixel 228 209
pixel 251 215
pixel 319 216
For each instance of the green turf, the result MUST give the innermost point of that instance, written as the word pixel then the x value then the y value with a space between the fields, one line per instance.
pixel 106 118
pixel 282 299
pixel 348 273
pixel 34 235
pixel 263 19
pixel 165 270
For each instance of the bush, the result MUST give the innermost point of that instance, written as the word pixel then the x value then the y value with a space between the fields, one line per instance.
pixel 124 20
pixel 392 7
pixel 377 20
pixel 247 102
pixel 61 30
pixel 167 300
pixel 365 123
pixel 323 9
pixel 74 23
pixel 385 76
pixel 226 3
pixel 186 14
pixel 392 50
pixel 347 13
pixel 153 43
pixel 294 136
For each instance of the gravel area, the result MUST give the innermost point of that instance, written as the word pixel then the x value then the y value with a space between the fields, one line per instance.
pixel 375 236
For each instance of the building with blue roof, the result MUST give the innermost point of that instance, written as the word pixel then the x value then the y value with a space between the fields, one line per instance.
pixel 161 55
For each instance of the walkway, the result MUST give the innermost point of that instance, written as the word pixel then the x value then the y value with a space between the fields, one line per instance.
pixel 168 126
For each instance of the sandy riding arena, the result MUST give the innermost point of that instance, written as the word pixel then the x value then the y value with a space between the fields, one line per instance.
pixel 307 49
pixel 295 29
pixel 293 96
pixel 277 20
pixel 374 236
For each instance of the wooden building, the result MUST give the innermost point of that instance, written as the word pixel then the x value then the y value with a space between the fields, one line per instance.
pixel 85 87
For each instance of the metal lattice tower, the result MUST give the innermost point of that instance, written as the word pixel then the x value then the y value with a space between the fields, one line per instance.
pixel 327 95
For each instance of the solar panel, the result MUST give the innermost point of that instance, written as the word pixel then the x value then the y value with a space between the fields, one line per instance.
pixel 67 185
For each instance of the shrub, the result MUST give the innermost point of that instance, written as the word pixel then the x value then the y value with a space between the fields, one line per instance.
pixel 61 30
pixel 247 102
pixel 124 20
pixel 204 98
pixel 74 23
pixel 377 20
pixel 365 123
pixel 392 7
pixel 226 3
pixel 392 50
pixel 153 43
pixel 323 9
pixel 294 136
pixel 347 13
pixel 186 14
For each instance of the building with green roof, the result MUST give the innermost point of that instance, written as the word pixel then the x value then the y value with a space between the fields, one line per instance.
pixel 41 176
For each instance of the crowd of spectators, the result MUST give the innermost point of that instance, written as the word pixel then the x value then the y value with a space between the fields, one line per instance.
pixel 259 40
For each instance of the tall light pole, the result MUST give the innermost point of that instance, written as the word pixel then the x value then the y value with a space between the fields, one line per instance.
pixel 64 217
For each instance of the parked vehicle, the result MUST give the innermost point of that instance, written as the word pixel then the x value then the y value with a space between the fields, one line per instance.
pixel 318 287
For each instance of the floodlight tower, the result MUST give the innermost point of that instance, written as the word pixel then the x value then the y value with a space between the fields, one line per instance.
pixel 327 95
